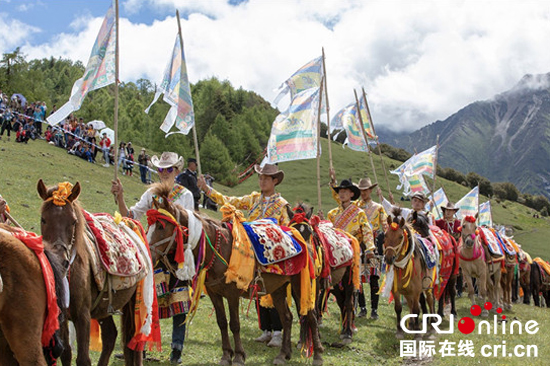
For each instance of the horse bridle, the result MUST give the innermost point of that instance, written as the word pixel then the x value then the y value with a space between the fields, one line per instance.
pixel 163 255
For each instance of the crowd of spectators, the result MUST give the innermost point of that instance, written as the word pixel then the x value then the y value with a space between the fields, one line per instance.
pixel 26 121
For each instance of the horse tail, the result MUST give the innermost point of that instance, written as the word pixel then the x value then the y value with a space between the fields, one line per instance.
pixel 1 284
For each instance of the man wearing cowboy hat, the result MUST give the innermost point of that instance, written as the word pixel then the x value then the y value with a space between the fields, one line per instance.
pixel 377 217
pixel 260 205
pixel 418 204
pixel 168 165
pixel 449 222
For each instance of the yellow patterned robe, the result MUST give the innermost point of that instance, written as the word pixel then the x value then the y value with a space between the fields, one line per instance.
pixel 355 222
pixel 375 211
pixel 257 206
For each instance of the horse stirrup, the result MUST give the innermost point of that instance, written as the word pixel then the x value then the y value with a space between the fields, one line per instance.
pixel 259 285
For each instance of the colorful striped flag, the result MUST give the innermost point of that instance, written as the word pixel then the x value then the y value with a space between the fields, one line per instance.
pixel 418 164
pixel 294 132
pixel 177 92
pixel 336 123
pixel 99 72
pixel 348 119
pixel 307 77
pixel 440 199
pixel 468 204
pixel 485 217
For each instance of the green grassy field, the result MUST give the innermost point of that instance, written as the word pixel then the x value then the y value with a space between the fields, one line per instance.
pixel 21 165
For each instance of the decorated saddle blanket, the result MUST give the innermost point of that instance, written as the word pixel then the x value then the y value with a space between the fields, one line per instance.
pixel 505 245
pixel 271 244
pixel 429 251
pixel 545 266
pixel 448 259
pixel 116 249
pixel 491 241
pixel 336 243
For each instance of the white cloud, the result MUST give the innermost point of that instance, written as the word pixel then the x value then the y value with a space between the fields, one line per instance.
pixel 13 33
pixel 417 61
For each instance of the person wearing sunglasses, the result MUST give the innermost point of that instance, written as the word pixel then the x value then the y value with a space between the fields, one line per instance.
pixel 168 167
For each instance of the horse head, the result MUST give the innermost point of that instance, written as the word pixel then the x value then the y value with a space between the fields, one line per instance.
pixel 299 219
pixel 420 223
pixel 469 231
pixel 167 223
pixel 395 236
pixel 61 219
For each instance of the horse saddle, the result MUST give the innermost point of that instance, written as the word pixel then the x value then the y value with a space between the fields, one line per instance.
pixel 336 243
pixel 429 251
pixel 271 243
pixel 116 250
pixel 491 241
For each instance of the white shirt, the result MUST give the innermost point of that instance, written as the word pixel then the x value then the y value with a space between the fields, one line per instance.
pixel 145 203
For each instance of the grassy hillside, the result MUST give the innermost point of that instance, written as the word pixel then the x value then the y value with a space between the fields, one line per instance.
pixel 22 165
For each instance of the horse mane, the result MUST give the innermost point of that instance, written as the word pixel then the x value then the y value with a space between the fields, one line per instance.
pixel 58 273
pixel 396 212
pixel 161 189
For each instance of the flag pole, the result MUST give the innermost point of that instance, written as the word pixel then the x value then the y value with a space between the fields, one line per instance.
pixel 319 145
pixel 377 142
pixel 328 113
pixel 435 172
pixel 364 134
pixel 181 80
pixel 116 90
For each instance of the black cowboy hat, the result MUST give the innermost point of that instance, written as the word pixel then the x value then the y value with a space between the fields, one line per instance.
pixel 347 184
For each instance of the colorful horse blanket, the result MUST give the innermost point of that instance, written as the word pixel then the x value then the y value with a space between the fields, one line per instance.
pixel 270 242
pixel 491 241
pixel 116 250
pixel 336 243
pixel 428 250
pixel 505 244
pixel 449 259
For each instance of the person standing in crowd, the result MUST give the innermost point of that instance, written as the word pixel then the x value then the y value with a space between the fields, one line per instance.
pixel 451 224
pixel 418 204
pixel 121 156
pixel 143 160
pixel 5 120
pixel 168 166
pixel 207 202
pixel 188 179
pixel 105 143
pixel 260 205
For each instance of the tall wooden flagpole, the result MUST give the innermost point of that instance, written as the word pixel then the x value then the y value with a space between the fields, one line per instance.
pixel 377 142
pixel 328 112
pixel 319 144
pixel 181 80
pixel 364 134
pixel 435 173
pixel 116 91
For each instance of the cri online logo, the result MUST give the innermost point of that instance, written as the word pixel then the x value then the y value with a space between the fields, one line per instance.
pixel 466 325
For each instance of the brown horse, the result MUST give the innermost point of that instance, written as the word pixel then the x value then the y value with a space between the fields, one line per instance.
pixel 410 272
pixel 63 227
pixel 162 234
pixel 23 301
pixel 506 279
pixel 524 275
pixel 540 284
pixel 334 280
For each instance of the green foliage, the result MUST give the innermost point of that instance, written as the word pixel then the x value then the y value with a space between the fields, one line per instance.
pixel 474 179
pixel 452 175
pixel 216 159
pixel 506 190
pixel 394 152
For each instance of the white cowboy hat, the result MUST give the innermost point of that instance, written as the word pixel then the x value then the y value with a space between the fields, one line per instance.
pixel 167 160
pixel 365 183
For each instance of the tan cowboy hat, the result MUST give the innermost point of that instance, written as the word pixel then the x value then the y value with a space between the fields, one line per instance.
pixel 167 160
pixel 271 170
pixel 421 196
pixel 347 183
pixel 450 206
pixel 365 183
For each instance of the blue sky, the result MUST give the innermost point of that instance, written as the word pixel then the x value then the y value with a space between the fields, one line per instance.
pixel 418 61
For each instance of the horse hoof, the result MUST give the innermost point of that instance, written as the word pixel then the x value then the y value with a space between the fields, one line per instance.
pixel 224 363
pixel 299 345
pixel 279 361
pixel 317 362
pixel 484 314
pixel 346 341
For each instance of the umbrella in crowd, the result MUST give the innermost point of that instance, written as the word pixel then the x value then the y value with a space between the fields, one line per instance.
pixel 110 133
pixel 96 124
pixel 22 99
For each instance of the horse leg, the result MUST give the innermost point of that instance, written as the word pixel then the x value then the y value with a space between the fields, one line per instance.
pixel 398 307
pixel 348 308
pixel 340 300
pixel 430 298
pixel 422 301
pixel 451 290
pixel 279 301
pixel 82 326
pixel 6 355
pixel 108 339
pixel 414 305
pixel 235 325
pixel 25 340
pixel 470 285
pixel 66 355
pixel 221 318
